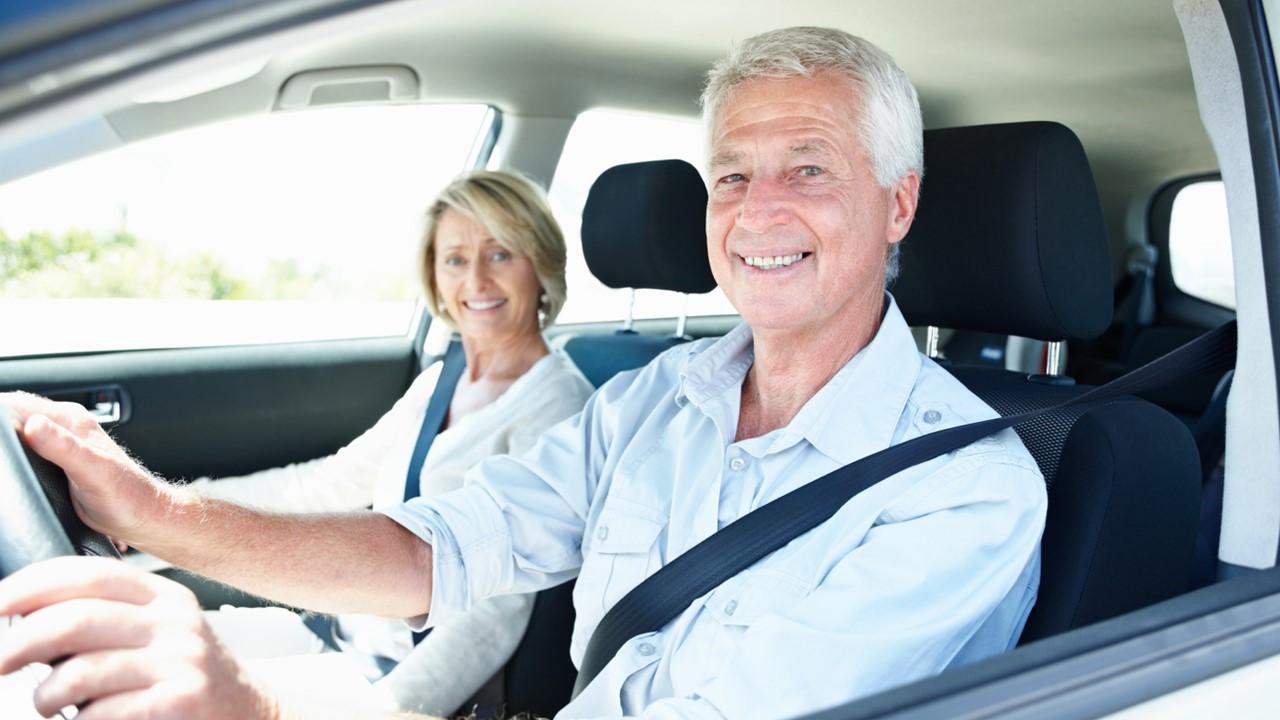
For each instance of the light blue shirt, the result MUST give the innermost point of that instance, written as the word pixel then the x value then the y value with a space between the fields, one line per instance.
pixel 933 567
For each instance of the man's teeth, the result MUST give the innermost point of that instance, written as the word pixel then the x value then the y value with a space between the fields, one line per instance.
pixel 484 304
pixel 768 263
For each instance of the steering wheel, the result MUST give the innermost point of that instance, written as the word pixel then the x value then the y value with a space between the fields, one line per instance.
pixel 37 521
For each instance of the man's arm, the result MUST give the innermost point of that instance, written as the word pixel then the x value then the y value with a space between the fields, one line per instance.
pixel 131 644
pixel 356 562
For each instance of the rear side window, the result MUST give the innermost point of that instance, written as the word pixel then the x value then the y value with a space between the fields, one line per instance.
pixel 287 227
pixel 599 140
pixel 1200 243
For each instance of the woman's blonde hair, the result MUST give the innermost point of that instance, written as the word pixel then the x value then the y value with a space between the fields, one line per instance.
pixel 515 212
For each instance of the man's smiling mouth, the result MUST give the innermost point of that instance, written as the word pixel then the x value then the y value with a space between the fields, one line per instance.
pixel 771 262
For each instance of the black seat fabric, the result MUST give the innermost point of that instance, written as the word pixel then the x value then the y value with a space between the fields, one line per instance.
pixel 1009 239
pixel 539 677
pixel 642 227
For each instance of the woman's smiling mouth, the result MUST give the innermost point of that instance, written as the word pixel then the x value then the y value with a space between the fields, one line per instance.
pixel 482 305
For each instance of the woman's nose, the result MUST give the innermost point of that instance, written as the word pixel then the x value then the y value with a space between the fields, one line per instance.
pixel 477 274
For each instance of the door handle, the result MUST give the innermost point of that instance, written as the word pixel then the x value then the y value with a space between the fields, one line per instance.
pixel 108 404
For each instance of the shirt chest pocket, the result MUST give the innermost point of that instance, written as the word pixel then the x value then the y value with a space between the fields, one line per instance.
pixel 742 601
pixel 625 547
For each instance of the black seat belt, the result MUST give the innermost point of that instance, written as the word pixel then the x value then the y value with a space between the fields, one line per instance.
pixel 437 407
pixel 667 593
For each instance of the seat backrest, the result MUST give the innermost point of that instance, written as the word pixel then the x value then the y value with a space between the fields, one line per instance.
pixel 1009 239
pixel 642 227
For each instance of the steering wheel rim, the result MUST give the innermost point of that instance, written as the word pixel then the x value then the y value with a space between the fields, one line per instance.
pixel 37 520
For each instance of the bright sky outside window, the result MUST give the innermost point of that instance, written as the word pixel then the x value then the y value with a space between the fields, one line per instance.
pixel 285 227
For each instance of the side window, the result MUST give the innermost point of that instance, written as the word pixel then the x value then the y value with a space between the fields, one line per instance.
pixel 286 227
pixel 1200 243
pixel 599 140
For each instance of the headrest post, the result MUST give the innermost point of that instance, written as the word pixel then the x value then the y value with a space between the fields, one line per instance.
pixel 931 342
pixel 1053 358
pixel 629 324
pixel 683 320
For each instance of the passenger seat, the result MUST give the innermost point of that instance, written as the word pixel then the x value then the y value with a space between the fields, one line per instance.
pixel 642 227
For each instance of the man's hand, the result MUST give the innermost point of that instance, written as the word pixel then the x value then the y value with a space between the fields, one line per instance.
pixel 111 492
pixel 123 643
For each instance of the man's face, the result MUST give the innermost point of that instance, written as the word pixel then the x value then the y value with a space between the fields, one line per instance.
pixel 797 227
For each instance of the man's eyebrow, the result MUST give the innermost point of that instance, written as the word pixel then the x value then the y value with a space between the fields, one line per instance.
pixel 725 157
pixel 811 147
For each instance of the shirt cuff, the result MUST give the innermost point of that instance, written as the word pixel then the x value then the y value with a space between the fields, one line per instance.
pixel 470 549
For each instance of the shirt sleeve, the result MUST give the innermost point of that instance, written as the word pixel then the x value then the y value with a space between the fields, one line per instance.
pixel 898 608
pixel 340 482
pixel 516 525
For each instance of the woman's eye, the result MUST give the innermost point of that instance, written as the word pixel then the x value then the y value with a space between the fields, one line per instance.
pixel 453 261
pixel 810 171
pixel 501 256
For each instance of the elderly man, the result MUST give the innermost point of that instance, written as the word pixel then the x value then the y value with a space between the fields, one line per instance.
pixel 814 171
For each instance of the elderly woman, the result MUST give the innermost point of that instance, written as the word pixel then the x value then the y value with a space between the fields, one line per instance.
pixel 493 262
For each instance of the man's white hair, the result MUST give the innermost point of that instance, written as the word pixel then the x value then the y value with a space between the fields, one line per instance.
pixel 892 132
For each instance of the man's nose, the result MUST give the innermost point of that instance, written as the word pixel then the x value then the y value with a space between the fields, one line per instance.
pixel 764 206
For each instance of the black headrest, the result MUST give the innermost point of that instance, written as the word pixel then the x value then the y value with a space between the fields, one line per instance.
pixel 644 227
pixel 1008 237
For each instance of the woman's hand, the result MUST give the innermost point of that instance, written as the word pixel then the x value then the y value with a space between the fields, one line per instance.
pixel 123 644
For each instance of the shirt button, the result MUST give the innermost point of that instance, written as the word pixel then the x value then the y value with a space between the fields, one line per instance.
pixel 737 464
pixel 602 533
pixel 730 607
pixel 933 417
pixel 646 649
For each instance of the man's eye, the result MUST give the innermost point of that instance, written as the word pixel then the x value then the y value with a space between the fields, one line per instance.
pixel 810 171
pixel 731 179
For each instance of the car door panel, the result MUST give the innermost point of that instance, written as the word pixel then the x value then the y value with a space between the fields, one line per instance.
pixel 232 410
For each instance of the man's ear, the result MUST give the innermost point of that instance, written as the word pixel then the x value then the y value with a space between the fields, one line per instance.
pixel 906 195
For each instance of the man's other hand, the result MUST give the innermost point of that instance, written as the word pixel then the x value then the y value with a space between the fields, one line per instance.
pixel 122 643
pixel 111 492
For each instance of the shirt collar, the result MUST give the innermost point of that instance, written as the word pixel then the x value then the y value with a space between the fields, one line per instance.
pixel 721 366
pixel 855 414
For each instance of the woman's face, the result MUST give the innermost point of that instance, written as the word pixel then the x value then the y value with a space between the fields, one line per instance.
pixel 491 292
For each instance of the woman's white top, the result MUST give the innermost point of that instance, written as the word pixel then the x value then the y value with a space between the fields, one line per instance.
pixel 453 661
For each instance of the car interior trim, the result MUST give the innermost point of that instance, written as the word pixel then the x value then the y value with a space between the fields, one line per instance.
pixel 1251 40
pixel 1251 501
